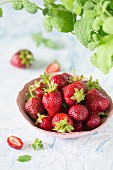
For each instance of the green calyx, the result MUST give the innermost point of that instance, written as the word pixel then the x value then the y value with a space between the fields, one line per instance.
pixel 50 86
pixel 102 114
pixel 78 95
pixel 75 77
pixel 31 93
pixel 92 84
pixel 40 117
pixel 36 85
pixel 26 57
pixel 63 126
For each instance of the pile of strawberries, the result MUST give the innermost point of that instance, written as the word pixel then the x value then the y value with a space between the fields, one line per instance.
pixel 66 103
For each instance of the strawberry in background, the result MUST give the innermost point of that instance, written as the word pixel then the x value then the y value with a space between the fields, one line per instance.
pixel 53 67
pixel 22 59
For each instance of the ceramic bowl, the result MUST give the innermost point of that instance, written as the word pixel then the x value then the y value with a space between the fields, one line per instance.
pixel 21 104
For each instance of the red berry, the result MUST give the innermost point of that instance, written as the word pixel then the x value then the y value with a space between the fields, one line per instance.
pixel 22 59
pixel 79 126
pixel 62 122
pixel 53 67
pixel 66 76
pixel 52 101
pixel 93 121
pixel 79 112
pixel 59 80
pixel 74 93
pixel 39 90
pixel 44 122
pixel 33 106
pixel 15 142
pixel 96 102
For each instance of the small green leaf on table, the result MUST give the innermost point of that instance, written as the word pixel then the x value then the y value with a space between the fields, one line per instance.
pixel 24 158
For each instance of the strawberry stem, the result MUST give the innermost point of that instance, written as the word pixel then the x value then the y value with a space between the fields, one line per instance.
pixel 50 86
pixel 63 126
pixel 78 95
pixel 92 84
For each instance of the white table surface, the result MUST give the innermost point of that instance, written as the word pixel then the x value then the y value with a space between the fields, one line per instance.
pixel 92 152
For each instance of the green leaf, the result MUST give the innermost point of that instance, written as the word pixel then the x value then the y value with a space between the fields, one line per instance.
pixel 77 7
pixel 1 12
pixel 68 4
pixel 49 1
pixel 108 25
pixel 89 14
pixel 47 24
pixel 30 6
pixel 17 5
pixel 97 23
pixel 93 45
pixel 61 19
pixel 24 158
pixel 37 144
pixel 103 58
pixel 82 30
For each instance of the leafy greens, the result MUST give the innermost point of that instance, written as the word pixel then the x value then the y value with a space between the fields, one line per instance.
pixel 91 21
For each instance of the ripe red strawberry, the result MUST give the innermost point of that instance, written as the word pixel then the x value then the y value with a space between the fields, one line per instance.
pixel 15 142
pixel 22 59
pixel 59 80
pixel 53 67
pixel 79 112
pixel 79 126
pixel 62 123
pixel 66 76
pixel 33 106
pixel 44 122
pixel 52 101
pixel 74 93
pixel 93 121
pixel 96 102
pixel 38 88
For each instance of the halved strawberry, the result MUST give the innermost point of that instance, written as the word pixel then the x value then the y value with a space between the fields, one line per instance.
pixel 15 142
pixel 53 67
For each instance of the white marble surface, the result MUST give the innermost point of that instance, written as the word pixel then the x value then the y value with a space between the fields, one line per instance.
pixel 92 152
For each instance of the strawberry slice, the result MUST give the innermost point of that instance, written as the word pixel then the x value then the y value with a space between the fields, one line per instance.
pixel 53 67
pixel 15 142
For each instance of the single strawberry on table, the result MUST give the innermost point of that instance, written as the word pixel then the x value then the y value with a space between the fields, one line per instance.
pixel 14 142
pixel 62 122
pixel 96 102
pixel 22 59
pixel 74 93
pixel 34 106
pixel 79 112
pixel 53 67
pixel 44 122
pixel 52 99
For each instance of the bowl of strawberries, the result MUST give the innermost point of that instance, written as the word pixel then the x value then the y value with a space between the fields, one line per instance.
pixel 65 105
